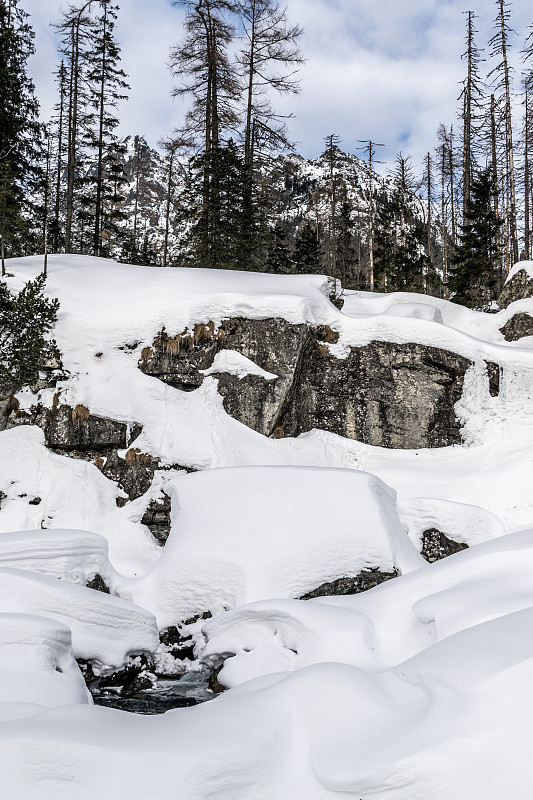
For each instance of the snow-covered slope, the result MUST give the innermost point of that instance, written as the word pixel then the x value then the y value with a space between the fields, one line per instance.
pixel 450 718
pixel 417 689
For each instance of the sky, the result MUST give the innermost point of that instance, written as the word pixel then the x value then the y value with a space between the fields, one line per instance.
pixel 386 70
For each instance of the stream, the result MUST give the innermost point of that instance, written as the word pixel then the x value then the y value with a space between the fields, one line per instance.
pixel 187 690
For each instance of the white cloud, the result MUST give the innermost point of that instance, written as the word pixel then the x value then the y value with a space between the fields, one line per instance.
pixel 379 69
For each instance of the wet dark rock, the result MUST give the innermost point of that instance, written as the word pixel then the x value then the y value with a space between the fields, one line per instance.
pixel 275 345
pixel 8 405
pixel 132 677
pixel 436 545
pixel 98 584
pixel 494 375
pixel 35 501
pixel 367 579
pixel 519 287
pixel 517 327
pixel 180 643
pixel 214 685
pixel 162 695
pixel 133 475
pixel 384 394
pixel 157 518
pixel 177 360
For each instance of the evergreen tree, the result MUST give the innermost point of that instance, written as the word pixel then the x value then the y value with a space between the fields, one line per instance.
pixel 20 131
pixel 346 260
pixel 306 251
pixel 476 257
pixel 202 247
pixel 107 85
pixel 278 252
pixel 25 321
pixel 207 75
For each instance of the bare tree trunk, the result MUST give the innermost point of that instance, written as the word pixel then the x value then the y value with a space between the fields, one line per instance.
pixel 467 115
pixel 57 205
pixel 452 189
pixel 369 147
pixel 72 133
pixel 527 179
pixel 46 205
pixel 513 233
pixel 101 115
pixel 136 205
pixel 443 229
pixel 167 210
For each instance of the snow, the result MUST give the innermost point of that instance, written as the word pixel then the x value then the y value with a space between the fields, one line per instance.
pixel 461 522
pixel 73 495
pixel 37 666
pixel 420 688
pixel 104 628
pixel 381 627
pixel 235 363
pixel 245 534
pixel 452 719
pixel 76 556
pixel 527 266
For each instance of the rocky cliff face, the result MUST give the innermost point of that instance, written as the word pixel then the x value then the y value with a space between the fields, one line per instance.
pixel 384 394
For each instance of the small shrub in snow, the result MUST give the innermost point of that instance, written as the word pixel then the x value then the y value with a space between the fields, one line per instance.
pixel 80 413
pixel 134 456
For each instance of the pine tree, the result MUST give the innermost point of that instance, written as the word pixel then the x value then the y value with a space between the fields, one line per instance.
pixel 206 73
pixel 306 251
pixel 107 85
pixel 25 321
pixel 474 271
pixel 278 252
pixel 202 249
pixel 20 132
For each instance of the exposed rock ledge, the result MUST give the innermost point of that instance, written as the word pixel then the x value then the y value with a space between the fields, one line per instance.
pixel 383 393
pixel 518 288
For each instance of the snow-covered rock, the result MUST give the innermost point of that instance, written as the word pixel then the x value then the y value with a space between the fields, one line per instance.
pixel 246 534
pixel 104 628
pixel 37 665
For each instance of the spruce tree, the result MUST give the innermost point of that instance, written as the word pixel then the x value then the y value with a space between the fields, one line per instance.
pixel 306 251
pixel 25 321
pixel 278 252
pixel 20 131
pixel 107 86
pixel 476 257
pixel 206 74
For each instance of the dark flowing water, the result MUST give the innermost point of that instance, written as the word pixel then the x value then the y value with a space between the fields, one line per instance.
pixel 187 690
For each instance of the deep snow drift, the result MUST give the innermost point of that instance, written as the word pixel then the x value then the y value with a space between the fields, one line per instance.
pixel 417 689
pixel 395 693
